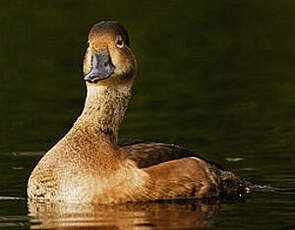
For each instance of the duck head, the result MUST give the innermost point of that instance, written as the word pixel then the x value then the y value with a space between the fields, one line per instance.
pixel 108 58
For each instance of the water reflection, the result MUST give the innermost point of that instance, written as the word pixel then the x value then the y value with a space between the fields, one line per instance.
pixel 154 215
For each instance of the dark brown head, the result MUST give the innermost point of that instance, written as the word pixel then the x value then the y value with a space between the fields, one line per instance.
pixel 108 59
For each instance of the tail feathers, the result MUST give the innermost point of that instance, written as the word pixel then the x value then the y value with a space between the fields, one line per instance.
pixel 233 186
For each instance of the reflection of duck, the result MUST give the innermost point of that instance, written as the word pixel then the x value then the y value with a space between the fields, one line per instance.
pixel 149 215
pixel 87 166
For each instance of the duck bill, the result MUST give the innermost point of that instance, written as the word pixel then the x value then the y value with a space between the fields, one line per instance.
pixel 102 66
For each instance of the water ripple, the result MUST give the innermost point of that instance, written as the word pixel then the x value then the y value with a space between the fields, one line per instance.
pixel 13 221
pixel 11 198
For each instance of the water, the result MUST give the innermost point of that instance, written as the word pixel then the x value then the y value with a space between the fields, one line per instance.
pixel 213 77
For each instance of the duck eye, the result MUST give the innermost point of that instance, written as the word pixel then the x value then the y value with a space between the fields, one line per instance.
pixel 120 43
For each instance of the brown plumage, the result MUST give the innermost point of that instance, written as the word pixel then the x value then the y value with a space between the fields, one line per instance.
pixel 88 166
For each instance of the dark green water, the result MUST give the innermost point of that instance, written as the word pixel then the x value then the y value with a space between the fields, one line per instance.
pixel 215 77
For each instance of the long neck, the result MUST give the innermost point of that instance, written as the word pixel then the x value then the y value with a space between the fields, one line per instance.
pixel 104 109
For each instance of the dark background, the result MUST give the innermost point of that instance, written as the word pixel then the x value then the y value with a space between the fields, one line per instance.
pixel 218 76
pixel 215 76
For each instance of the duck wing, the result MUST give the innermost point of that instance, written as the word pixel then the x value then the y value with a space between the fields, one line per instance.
pixel 178 172
pixel 147 153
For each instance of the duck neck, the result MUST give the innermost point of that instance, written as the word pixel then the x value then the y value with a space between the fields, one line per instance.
pixel 104 110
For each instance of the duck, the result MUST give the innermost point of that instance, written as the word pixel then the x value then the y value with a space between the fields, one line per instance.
pixel 91 165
